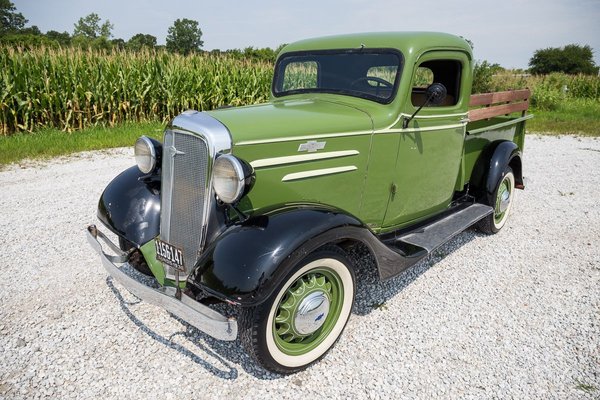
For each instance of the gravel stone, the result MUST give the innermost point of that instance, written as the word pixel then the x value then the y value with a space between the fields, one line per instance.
pixel 514 315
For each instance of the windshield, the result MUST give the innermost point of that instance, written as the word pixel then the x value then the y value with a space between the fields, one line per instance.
pixel 370 74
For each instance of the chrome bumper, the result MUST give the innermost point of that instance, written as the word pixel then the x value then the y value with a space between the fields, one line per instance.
pixel 188 309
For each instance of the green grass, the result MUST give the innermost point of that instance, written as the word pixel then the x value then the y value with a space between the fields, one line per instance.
pixel 49 143
pixel 571 116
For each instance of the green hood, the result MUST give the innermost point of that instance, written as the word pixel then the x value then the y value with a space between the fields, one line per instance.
pixel 290 118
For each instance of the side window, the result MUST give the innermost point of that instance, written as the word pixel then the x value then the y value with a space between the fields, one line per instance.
pixel 423 78
pixel 387 73
pixel 300 75
pixel 446 72
pixel 380 80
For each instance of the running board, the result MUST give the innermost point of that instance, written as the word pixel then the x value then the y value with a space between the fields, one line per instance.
pixel 412 246
pixel 430 237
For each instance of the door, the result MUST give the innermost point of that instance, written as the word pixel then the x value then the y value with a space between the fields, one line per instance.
pixel 431 147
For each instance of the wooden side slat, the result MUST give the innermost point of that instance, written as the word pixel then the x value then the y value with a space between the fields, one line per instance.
pixel 499 97
pixel 494 111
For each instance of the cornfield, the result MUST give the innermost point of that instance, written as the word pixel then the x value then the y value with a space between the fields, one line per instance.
pixel 71 89
pixel 548 91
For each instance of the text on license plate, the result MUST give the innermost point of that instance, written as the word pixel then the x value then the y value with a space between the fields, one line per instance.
pixel 169 254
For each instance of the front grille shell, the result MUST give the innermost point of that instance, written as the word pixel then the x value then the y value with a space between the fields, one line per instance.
pixel 191 143
pixel 184 197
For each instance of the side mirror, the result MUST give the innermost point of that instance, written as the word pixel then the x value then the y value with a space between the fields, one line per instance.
pixel 435 94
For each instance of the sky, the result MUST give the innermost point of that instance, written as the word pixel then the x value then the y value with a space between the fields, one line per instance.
pixel 506 32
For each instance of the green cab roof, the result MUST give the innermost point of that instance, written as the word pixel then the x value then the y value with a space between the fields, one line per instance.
pixel 409 43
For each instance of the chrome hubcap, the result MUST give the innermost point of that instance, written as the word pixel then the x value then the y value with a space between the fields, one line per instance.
pixel 311 313
pixel 504 201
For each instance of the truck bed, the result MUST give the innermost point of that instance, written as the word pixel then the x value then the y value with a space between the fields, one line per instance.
pixel 494 117
pixel 488 110
pixel 498 112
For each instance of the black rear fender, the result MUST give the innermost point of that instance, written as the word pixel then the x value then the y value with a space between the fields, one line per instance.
pixel 490 166
pixel 505 154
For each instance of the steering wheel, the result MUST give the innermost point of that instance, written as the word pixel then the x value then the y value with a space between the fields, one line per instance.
pixel 368 78
pixel 380 82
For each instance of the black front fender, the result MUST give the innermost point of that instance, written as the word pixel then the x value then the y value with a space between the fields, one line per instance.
pixel 249 260
pixel 130 206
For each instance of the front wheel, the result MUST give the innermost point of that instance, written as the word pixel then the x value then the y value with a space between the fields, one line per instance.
pixel 501 200
pixel 305 316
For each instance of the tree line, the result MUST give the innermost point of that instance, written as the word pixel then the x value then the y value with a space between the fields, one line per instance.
pixel 185 37
pixel 91 32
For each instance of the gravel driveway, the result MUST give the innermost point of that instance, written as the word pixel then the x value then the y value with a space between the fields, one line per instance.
pixel 515 315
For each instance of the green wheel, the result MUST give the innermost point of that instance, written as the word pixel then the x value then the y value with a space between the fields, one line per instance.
pixel 305 316
pixel 501 200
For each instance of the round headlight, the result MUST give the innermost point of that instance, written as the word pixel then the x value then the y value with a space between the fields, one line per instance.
pixel 145 154
pixel 228 178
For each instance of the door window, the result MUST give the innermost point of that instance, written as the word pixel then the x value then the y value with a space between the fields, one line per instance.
pixel 446 72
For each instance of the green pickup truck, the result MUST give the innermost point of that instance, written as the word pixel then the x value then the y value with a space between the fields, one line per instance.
pixel 368 140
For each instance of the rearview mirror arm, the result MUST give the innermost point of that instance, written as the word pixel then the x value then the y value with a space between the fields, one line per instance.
pixel 405 121
pixel 436 93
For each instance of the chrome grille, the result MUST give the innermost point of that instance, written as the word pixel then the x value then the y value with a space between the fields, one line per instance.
pixel 185 180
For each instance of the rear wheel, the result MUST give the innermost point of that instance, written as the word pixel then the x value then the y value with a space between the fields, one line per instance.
pixel 501 200
pixel 305 316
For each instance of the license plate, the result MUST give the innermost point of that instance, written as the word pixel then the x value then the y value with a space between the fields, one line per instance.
pixel 169 254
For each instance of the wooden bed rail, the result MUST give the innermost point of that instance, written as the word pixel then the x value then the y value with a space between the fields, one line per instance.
pixel 512 101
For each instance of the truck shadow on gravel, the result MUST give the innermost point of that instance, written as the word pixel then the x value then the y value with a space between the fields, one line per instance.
pixel 371 294
pixel 228 372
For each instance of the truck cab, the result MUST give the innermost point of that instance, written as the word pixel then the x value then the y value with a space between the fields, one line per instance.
pixel 368 140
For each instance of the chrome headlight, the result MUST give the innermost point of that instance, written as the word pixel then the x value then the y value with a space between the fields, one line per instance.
pixel 145 154
pixel 228 178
